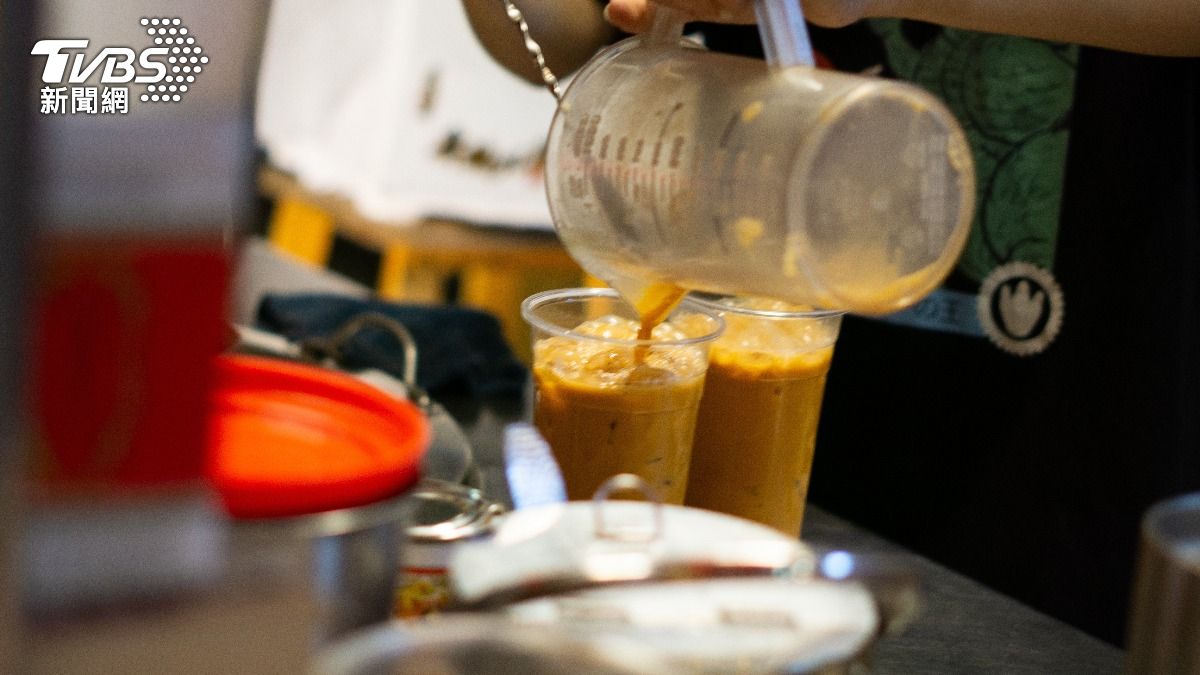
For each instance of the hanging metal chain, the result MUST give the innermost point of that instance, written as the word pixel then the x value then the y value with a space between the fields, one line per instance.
pixel 534 49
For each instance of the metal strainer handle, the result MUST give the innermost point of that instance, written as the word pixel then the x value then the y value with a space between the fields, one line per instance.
pixel 331 348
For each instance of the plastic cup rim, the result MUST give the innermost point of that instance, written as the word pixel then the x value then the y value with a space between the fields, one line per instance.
pixel 1158 533
pixel 530 304
pixel 714 303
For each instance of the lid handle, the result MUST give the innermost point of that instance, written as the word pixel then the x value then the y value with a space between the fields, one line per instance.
pixel 622 482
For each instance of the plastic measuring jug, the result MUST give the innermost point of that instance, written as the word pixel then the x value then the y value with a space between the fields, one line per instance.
pixel 667 163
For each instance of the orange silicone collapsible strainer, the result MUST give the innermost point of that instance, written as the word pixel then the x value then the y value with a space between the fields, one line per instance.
pixel 289 439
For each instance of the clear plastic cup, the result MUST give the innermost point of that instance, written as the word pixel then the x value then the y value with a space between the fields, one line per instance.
pixel 757 427
pixel 608 403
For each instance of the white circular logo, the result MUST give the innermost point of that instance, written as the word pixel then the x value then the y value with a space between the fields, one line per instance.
pixel 1021 308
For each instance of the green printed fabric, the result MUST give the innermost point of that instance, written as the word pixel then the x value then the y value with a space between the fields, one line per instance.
pixel 1013 97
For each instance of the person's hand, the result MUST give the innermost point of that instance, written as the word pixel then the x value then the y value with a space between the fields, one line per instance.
pixel 634 16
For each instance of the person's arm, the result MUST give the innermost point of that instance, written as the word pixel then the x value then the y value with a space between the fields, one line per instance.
pixel 568 31
pixel 1162 27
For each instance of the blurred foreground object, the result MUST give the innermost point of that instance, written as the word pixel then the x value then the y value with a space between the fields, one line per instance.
pixel 1165 614
pixel 128 566
pixel 16 32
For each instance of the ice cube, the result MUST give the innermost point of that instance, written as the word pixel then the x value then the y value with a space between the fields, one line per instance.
pixel 646 374
pixel 667 331
pixel 610 362
pixel 609 327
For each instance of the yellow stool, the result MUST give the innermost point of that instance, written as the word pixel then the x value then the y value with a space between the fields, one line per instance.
pixel 301 230
pixel 497 269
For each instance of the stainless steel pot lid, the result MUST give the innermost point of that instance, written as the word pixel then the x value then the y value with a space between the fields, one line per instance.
pixel 702 626
pixel 558 548
pixel 476 644
pixel 751 625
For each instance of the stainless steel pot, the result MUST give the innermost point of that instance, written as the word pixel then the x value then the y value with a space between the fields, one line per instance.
pixel 343 562
pixel 695 591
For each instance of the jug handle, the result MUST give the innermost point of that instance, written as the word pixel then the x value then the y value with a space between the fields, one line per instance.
pixel 784 35
pixel 780 24
pixel 667 27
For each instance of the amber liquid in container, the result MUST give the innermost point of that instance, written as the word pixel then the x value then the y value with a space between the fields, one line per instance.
pixel 757 426
pixel 608 402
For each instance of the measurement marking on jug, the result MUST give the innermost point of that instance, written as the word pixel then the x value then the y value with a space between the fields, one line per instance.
pixel 589 137
pixel 577 137
pixel 727 132
pixel 676 151
pixel 661 195
pixel 719 233
pixel 740 159
pixel 575 186
pixel 724 162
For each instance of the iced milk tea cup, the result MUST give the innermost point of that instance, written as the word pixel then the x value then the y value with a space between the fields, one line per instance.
pixel 609 403
pixel 757 426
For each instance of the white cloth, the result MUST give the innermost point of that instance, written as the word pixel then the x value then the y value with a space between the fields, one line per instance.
pixel 361 96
